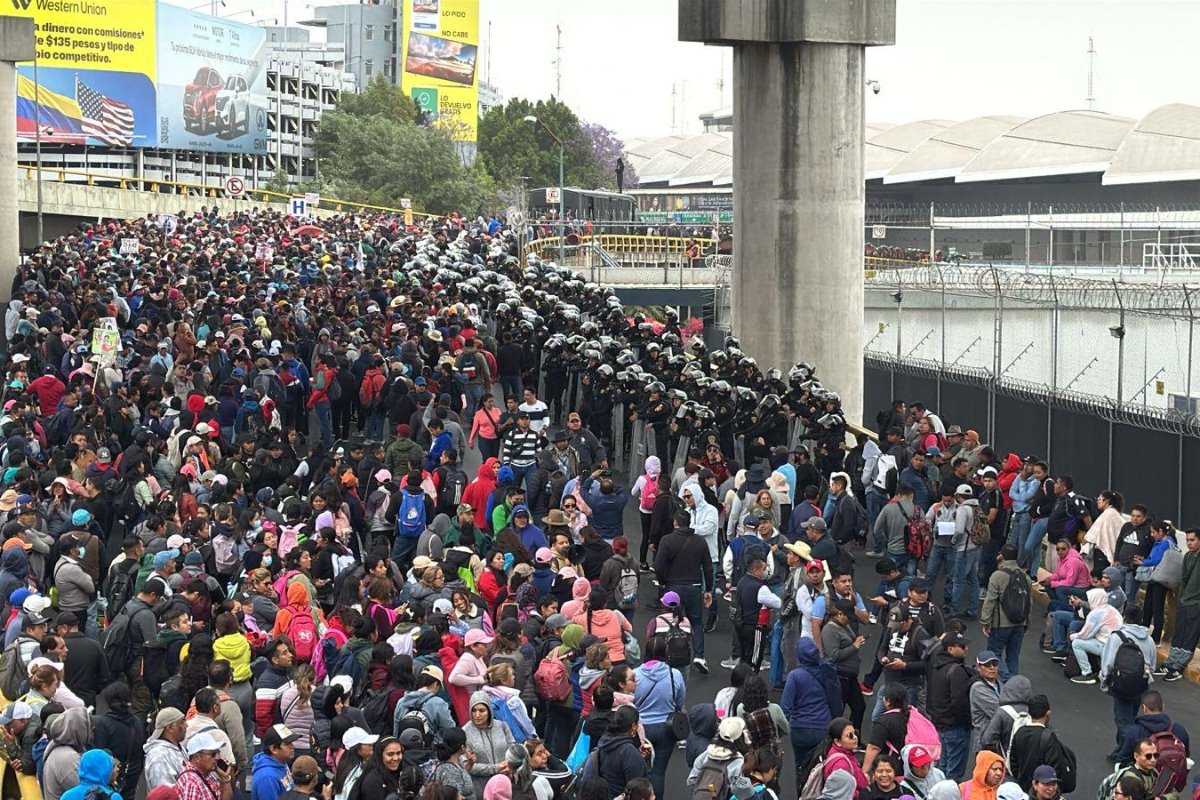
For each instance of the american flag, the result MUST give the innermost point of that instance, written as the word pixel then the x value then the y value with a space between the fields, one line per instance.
pixel 108 120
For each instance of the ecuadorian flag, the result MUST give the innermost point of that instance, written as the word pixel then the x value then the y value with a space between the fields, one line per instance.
pixel 58 115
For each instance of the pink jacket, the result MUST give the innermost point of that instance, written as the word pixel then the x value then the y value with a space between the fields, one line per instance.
pixel 469 672
pixel 1071 571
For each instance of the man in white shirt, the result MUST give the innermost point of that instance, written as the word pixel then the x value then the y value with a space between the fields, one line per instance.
pixel 538 411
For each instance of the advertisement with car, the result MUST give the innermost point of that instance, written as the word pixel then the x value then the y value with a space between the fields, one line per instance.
pixel 212 83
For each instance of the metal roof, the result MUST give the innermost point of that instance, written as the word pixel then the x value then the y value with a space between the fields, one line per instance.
pixel 1163 146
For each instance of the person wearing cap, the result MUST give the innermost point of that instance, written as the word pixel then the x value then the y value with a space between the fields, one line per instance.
pixel 964 595
pixel 1045 784
pixel 270 776
pixel 204 777
pixel 727 751
pixel 1021 494
pixel 165 754
pixel 985 698
pixel 519 448
pixel 470 671
pixel 943 556
pixel 948 702
pixel 20 729
pixel 921 774
pixel 426 699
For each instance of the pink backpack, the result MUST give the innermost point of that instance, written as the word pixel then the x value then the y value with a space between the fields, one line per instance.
pixel 318 658
pixel 649 492
pixel 921 731
pixel 550 679
pixel 302 630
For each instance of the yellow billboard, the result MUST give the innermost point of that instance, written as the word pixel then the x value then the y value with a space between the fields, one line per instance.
pixel 96 70
pixel 441 62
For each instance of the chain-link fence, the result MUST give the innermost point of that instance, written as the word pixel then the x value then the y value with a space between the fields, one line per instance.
pixel 1125 350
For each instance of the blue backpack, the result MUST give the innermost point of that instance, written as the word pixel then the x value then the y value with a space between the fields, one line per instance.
pixel 501 712
pixel 410 520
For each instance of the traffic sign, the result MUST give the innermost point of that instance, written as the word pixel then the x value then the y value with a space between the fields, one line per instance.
pixel 878 231
pixel 553 195
pixel 299 207
pixel 235 186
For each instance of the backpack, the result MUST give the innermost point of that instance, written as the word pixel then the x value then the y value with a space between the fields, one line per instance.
pixel 814 786
pixel 122 499
pixel 340 660
pixel 918 539
pixel 627 587
pixel 333 387
pixel 120 588
pixel 370 391
pixel 302 631
pixel 678 646
pixel 154 666
pixel 649 493
pixel 921 731
pixel 410 521
pixel 1172 763
pixel 377 712
pixel 271 386
pixel 118 643
pixel 451 492
pixel 14 673
pixel 712 782
pixel 746 549
pixel 1128 676
pixel 1105 792
pixel 1019 720
pixel 419 715
pixel 885 468
pixel 225 556
pixel 1077 507
pixel 1015 599
pixel 981 531
pixel 861 520
pixel 502 713
pixel 550 679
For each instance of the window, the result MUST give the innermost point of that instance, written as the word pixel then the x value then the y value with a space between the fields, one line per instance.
pixel 368 67
pixel 369 32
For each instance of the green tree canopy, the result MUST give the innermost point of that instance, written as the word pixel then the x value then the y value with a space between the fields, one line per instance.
pixel 510 147
pixel 376 148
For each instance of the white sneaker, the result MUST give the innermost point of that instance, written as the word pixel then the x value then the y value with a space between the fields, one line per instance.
pixel 700 664
pixel 729 663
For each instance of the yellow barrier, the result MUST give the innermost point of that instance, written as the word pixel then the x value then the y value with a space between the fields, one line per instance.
pixel 620 243
pixel 60 174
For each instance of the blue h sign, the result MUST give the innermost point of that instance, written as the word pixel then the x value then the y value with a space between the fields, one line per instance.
pixel 299 207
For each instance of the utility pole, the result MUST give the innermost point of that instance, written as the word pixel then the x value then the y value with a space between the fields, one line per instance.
pixel 1091 95
pixel 558 63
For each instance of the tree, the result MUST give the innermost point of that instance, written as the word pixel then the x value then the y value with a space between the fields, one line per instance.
pixel 510 147
pixel 606 149
pixel 377 148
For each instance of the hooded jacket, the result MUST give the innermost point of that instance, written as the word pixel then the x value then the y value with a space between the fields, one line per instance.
pixel 1146 724
pixel 488 743
pixel 95 773
pixel 164 762
pixel 1016 694
pixel 949 692
pixel 705 520
pixel 479 490
pixel 918 787
pixel 892 523
pixel 235 649
pixel 270 778
pixel 620 761
pixel 703 729
pixel 14 571
pixel 977 788
pixel 70 734
pixel 660 691
pixel 805 700
pixel 1071 571
pixel 1102 619
pixel 531 535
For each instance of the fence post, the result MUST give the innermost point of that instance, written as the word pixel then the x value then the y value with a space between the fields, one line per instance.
pixel 1187 301
pixel 1028 232
pixel 942 364
pixel 997 361
pixel 1053 371
pixel 1050 250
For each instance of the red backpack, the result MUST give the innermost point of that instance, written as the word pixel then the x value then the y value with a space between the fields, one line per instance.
pixel 370 389
pixel 302 631
pixel 1172 762
pixel 649 493
pixel 918 540
pixel 550 680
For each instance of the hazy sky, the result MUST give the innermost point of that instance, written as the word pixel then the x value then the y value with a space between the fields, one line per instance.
pixel 953 59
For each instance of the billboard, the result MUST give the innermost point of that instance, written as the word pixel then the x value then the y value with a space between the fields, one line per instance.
pixel 212 83
pixel 95 75
pixel 441 62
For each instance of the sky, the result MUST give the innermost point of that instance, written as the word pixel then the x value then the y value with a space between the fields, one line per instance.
pixel 623 66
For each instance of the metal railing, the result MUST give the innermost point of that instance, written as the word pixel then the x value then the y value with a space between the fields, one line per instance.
pixel 155 185
pixel 1123 351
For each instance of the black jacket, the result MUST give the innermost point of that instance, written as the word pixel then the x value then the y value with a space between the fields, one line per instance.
pixel 85 669
pixel 682 557
pixel 620 761
pixel 1034 745
pixel 948 695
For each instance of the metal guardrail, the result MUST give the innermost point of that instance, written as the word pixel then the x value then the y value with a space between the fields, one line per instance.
pixel 65 175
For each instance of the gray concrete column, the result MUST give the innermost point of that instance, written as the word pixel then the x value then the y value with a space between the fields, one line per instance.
pixel 798 178
pixel 16 44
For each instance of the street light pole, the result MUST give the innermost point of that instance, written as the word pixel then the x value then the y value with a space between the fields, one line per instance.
pixel 562 222
pixel 37 134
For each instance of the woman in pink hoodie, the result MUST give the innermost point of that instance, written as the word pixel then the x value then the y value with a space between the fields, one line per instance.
pixel 581 589
pixel 1071 577
pixel 608 625
pixel 469 673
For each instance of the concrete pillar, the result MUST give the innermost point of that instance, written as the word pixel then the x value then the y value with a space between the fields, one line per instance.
pixel 798 189
pixel 16 44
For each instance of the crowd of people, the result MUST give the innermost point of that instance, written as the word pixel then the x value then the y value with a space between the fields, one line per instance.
pixel 344 513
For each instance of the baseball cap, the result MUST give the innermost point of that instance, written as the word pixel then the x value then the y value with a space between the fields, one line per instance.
pixel 16 711
pixel 815 524
pixel 442 606
pixel 476 636
pixel 964 490
pixel 435 672
pixel 955 640
pixel 42 661
pixel 422 563
pixel 897 617
pixel 409 737
pixel 671 599
pixel 987 657
pixel 204 743
pixel 176 542
pixel 988 472
pixel 161 559
pixel 104 456
pixel 35 604
pixel 933 452
pixel 816 565
pixel 1045 774
pixel 555 621
pixel 167 717
pixel 732 729
pixel 465 508
pixel 81 516
pixel 918 756
pixel 356 736
pixel 1032 459
pixel 279 734
pixel 543 555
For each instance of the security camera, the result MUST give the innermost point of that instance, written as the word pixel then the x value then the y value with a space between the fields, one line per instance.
pixel 875 87
pixel 1116 331
pixel 897 295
